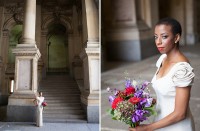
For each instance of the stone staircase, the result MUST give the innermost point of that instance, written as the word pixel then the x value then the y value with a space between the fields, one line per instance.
pixel 63 98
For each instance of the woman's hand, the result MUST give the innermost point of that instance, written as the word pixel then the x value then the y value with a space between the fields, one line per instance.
pixel 140 128
pixel 35 102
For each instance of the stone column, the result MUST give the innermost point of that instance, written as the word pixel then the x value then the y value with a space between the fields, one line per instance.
pixel 29 22
pixel 43 48
pixel 90 56
pixel 26 63
pixel 38 43
pixel 191 29
pixel 70 52
pixel 1 80
pixel 1 24
pixel 77 47
pixel 4 56
pixel 127 29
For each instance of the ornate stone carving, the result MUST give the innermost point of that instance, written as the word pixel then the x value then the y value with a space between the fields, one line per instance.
pixel 57 8
pixel 17 10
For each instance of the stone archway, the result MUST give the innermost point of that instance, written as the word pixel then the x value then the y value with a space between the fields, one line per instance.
pixel 57 49
pixel 11 34
pixel 67 24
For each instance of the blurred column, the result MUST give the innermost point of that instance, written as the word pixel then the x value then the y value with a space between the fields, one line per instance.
pixel 191 25
pixel 128 29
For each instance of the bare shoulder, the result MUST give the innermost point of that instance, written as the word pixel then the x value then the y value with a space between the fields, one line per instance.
pixel 182 58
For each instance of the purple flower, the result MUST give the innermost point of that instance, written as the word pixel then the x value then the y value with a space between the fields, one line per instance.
pixel 135 118
pixel 138 93
pixel 145 84
pixel 148 102
pixel 146 95
pixel 111 99
pixel 139 116
pixel 143 101
pixel 128 83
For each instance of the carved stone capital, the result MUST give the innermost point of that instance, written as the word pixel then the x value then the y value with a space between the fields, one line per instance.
pixel 27 51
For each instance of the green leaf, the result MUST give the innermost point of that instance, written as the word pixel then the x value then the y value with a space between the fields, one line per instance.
pixel 114 118
pixel 110 111
pixel 151 109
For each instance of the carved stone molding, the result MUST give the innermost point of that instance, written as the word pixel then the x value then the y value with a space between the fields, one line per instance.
pixel 17 10
pixel 57 8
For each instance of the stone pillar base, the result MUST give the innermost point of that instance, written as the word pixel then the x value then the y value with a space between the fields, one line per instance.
pixel 20 104
pixel 91 106
pixel 3 99
pixel 21 108
pixel 20 113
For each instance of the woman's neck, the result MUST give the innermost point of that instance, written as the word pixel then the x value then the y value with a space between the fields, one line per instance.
pixel 173 55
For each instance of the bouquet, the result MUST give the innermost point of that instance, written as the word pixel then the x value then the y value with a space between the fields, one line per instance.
pixel 132 105
pixel 44 104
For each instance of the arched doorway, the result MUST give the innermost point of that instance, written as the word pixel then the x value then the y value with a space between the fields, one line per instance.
pixel 15 36
pixel 57 49
pixel 14 39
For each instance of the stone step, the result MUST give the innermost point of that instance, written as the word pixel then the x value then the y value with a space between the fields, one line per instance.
pixel 62 101
pixel 64 116
pixel 58 86
pixel 66 104
pixel 60 120
pixel 55 83
pixel 49 95
pixel 63 111
pixel 60 92
pixel 63 107
pixel 58 89
pixel 63 98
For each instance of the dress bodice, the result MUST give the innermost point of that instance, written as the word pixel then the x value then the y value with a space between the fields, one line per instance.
pixel 179 76
pixel 40 100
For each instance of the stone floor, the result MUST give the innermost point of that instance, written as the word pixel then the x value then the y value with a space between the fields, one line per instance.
pixel 114 78
pixel 19 126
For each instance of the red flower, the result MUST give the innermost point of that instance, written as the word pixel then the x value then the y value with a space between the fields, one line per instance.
pixel 44 104
pixel 134 100
pixel 129 90
pixel 116 101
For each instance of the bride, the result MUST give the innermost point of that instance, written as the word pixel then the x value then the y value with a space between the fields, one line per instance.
pixel 172 81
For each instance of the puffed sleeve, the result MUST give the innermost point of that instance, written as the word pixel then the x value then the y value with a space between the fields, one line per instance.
pixel 183 75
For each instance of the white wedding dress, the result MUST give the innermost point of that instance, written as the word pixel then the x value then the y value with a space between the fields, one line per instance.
pixel 179 76
pixel 39 117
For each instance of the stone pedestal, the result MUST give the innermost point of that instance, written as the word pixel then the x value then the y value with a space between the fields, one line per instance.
pixel 90 93
pixel 25 87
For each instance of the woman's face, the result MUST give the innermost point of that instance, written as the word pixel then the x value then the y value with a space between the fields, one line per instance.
pixel 40 94
pixel 164 38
